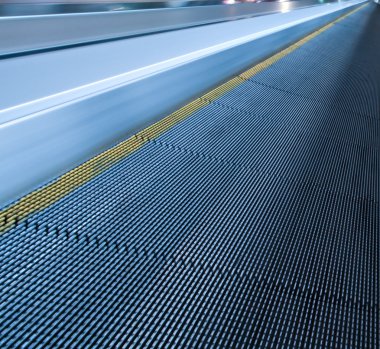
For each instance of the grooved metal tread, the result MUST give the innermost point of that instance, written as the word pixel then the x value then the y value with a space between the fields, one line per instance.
pixel 254 222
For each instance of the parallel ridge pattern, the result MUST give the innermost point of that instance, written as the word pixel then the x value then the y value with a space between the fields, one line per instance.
pixel 252 223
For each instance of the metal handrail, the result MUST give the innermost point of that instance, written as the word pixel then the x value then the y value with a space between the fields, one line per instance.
pixel 28 34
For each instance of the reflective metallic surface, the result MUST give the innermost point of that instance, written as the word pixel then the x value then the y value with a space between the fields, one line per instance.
pixel 62 135
pixel 23 34
pixel 42 7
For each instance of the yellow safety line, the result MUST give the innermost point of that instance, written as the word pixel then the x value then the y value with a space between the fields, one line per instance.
pixel 60 187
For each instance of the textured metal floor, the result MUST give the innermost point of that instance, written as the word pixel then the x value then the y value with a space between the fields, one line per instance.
pixel 255 222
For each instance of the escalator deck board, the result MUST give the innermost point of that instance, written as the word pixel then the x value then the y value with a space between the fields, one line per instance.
pixel 254 222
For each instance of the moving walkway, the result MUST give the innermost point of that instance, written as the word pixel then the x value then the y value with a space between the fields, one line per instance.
pixel 248 217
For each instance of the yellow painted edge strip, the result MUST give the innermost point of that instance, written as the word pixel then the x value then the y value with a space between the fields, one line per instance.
pixel 62 186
